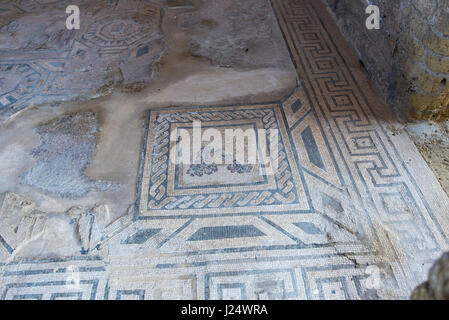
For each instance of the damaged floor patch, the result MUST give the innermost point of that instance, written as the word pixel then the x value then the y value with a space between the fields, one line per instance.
pixel 67 146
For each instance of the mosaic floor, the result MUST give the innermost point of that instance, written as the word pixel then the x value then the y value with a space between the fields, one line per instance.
pixel 352 213
pixel 58 64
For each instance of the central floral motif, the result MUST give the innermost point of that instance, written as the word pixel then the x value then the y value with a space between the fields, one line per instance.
pixel 208 167
pixel 201 169
pixel 239 168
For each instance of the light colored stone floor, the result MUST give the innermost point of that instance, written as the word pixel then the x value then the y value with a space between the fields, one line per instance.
pixel 92 207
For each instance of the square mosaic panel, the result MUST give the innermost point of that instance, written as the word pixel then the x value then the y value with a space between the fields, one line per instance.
pixel 175 190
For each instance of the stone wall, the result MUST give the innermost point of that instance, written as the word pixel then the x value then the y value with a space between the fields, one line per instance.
pixel 408 58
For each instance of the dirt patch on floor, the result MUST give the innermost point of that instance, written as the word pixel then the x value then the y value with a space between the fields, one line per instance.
pixel 432 141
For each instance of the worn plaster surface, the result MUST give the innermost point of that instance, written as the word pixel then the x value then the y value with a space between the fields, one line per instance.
pixel 432 141
pixel 93 208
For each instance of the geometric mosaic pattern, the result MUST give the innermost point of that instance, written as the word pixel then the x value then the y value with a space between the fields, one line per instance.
pixel 342 202
pixel 23 80
pixel 111 31
pixel 54 279
pixel 112 34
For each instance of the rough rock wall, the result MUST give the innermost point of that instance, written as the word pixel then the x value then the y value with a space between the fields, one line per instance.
pixel 408 58
pixel 437 287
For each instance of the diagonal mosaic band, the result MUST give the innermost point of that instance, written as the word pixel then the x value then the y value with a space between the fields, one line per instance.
pixel 343 218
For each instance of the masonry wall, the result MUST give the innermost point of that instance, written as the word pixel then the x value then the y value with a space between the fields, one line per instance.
pixel 408 58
